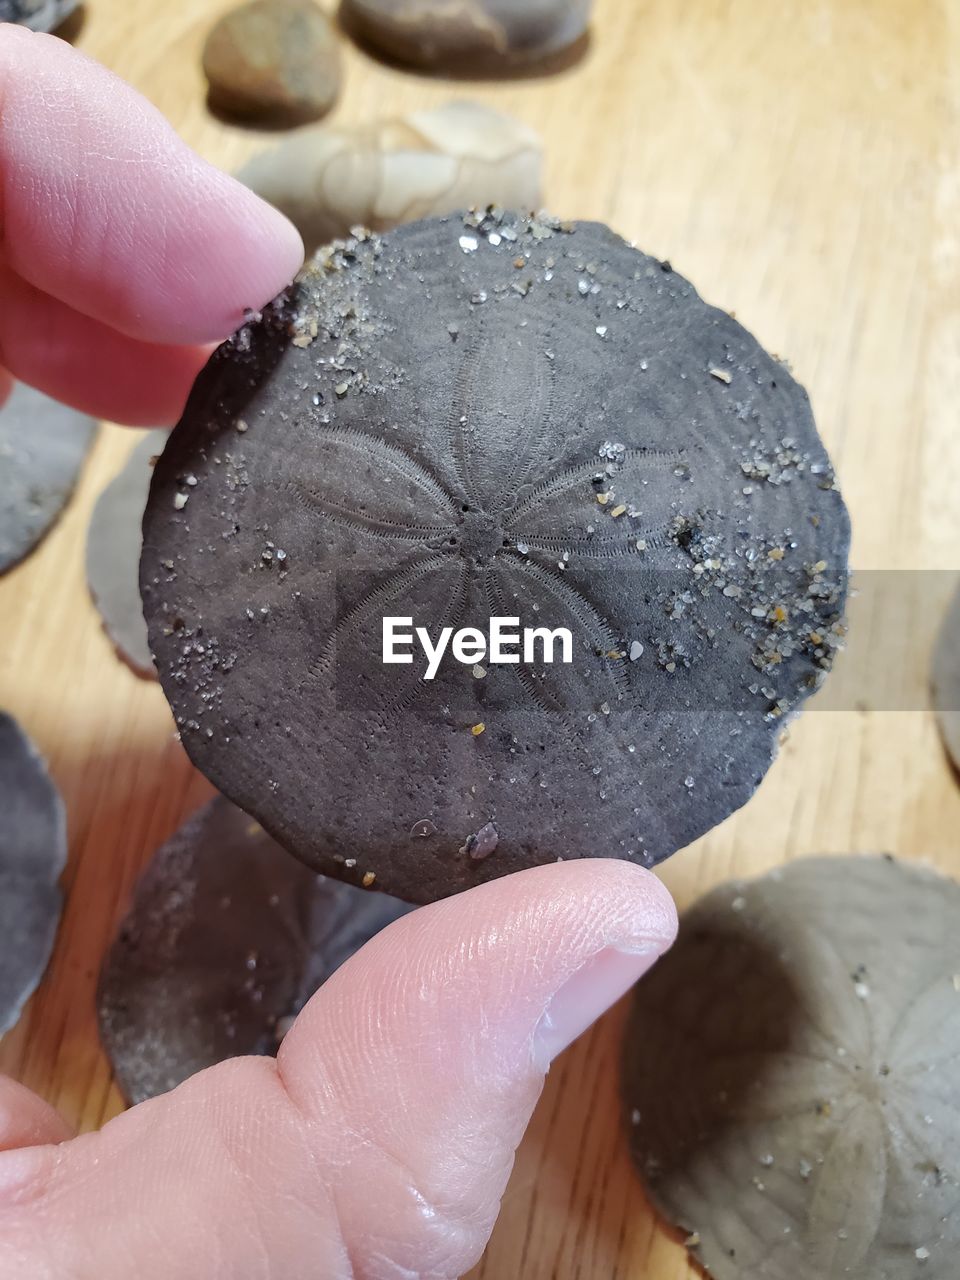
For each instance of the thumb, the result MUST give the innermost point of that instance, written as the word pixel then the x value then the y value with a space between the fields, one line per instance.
pixel 380 1142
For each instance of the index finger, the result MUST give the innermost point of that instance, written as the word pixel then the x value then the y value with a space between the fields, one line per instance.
pixel 105 208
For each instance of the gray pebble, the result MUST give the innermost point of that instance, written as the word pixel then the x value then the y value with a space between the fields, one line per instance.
pixel 463 35
pixel 273 60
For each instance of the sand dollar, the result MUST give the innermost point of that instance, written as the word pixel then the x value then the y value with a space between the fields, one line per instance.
pixel 491 417
pixel 33 851
pixel 227 938
pixel 42 447
pixel 791 1073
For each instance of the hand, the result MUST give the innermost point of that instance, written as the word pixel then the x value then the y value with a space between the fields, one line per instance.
pixel 122 253
pixel 379 1142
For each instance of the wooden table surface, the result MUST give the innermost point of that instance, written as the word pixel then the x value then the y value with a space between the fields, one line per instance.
pixel 801 163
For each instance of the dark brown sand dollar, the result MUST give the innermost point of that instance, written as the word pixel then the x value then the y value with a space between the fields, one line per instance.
pixel 33 851
pixel 946 680
pixel 462 35
pixel 113 552
pixel 227 937
pixel 42 447
pixel 792 1072
pixel 475 418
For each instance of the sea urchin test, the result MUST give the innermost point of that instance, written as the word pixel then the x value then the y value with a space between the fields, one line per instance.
pixel 33 850
pixel 475 418
pixel 225 941
pixel 791 1071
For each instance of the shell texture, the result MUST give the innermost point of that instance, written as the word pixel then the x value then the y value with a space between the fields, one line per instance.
pixel 227 938
pixel 33 851
pixel 42 447
pixel 113 553
pixel 791 1074
pixel 485 417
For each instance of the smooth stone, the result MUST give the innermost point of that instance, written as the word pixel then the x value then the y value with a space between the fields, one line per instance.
pixel 460 155
pixel 226 940
pixel 468 34
pixel 38 15
pixel 792 1069
pixel 475 416
pixel 273 60
pixel 113 553
pixel 33 853
pixel 42 447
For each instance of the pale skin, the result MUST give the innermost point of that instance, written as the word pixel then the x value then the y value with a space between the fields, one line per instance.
pixel 379 1143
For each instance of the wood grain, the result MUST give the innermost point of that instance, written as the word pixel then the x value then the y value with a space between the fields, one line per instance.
pixel 801 163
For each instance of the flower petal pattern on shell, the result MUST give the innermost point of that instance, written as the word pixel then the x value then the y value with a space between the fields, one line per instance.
pixel 503 413
pixel 380 491
pixel 790 1069
pixel 492 415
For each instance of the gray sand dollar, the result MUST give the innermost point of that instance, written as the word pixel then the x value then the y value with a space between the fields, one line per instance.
pixel 38 15
pixel 791 1074
pixel 487 417
pixel 227 937
pixel 33 851
pixel 113 553
pixel 42 447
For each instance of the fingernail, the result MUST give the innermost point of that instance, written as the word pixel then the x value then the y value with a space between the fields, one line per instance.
pixel 583 998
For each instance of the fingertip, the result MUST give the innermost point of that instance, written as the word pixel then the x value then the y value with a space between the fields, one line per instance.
pixel 651 900
pixel 26 1120
pixel 108 210
pixel 624 902
pixel 434 1038
pixel 254 255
